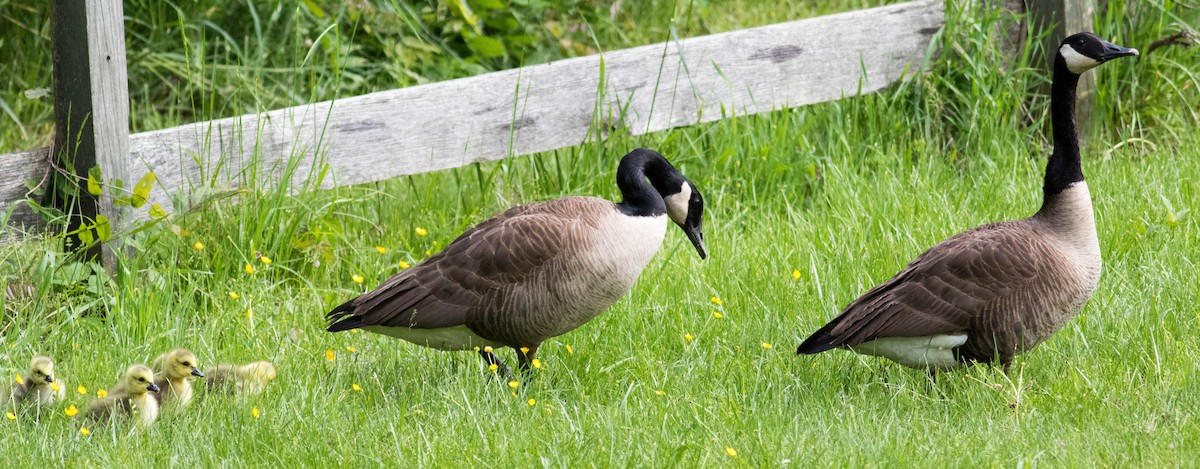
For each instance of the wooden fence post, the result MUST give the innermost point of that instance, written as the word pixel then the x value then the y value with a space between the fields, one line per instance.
pixel 91 110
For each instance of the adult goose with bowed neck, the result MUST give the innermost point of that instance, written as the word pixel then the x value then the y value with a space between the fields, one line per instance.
pixel 534 271
pixel 1000 289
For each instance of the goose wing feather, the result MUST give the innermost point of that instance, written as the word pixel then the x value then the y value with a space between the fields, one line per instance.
pixel 942 291
pixel 475 270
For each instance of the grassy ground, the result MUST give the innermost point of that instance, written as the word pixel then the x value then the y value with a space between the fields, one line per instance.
pixel 840 195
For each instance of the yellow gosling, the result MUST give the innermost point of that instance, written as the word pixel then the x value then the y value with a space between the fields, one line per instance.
pixel 130 399
pixel 250 378
pixel 37 386
pixel 176 369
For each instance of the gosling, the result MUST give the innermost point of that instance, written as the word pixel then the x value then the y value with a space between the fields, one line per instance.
pixel 250 378
pixel 176 369
pixel 38 386
pixel 130 399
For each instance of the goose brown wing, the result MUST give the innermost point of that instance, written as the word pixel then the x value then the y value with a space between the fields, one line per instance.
pixel 941 292
pixel 501 252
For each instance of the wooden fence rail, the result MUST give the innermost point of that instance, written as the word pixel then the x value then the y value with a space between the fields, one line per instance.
pixel 532 109
pixel 487 117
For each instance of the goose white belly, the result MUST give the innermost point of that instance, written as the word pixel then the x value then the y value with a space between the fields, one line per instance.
pixel 933 352
pixel 442 338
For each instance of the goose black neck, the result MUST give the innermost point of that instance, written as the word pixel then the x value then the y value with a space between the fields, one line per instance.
pixel 1063 168
pixel 640 198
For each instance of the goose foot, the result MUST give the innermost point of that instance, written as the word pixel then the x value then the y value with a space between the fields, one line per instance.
pixel 492 359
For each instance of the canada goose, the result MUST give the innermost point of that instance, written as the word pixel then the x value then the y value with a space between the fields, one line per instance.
pixel 533 271
pixel 129 399
pixel 176 369
pixel 38 386
pixel 1000 289
pixel 250 378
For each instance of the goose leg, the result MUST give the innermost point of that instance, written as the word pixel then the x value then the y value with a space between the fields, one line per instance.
pixel 525 357
pixel 492 359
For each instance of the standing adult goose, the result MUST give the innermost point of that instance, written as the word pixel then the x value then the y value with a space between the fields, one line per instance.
pixel 1000 289
pixel 533 271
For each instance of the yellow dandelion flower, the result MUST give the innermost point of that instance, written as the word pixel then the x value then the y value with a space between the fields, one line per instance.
pixel 71 411
pixel 718 315
pixel 427 254
pixel 249 269
pixel 493 367
pixel 233 296
pixel 351 349
pixel 249 312
pixel 570 350
pixel 688 337
pixel 357 278
pixel 532 402
pixel 356 387
pixel 421 231
pixel 767 345
pixel 55 387
pixel 716 301
pixel 514 384
pixel 10 415
pixel 20 380
pixel 731 452
pixel 537 363
pixel 254 412
pixel 796 274
pixel 81 390
pixel 524 349
pixel 354 331
pixel 404 265
pixel 101 394
pixel 329 356
pixel 198 246
pixel 381 249
pixel 265 260
pixel 84 431
pixel 660 392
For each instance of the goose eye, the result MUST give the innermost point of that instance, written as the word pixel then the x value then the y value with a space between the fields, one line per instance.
pixel 142 380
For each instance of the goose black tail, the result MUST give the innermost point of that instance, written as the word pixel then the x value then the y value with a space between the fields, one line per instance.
pixel 820 341
pixel 342 318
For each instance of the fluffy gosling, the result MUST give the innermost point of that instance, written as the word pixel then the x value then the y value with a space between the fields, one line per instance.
pixel 175 371
pixel 130 399
pixel 38 386
pixel 250 378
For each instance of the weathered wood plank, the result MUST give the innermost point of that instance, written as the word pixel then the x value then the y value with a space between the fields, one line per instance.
pixel 544 107
pixel 15 170
pixel 91 103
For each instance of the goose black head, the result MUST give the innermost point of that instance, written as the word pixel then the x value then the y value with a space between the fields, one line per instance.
pixel 1083 51
pixel 685 206
pixel 41 371
pixel 670 192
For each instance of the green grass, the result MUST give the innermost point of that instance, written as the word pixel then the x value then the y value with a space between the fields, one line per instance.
pixel 845 192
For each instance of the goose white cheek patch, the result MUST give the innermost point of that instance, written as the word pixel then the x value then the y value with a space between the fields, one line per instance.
pixel 677 204
pixel 1077 63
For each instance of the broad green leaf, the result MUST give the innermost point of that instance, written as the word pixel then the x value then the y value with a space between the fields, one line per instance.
pixel 156 211
pixel 141 190
pixel 489 4
pixel 486 46
pixel 103 228
pixel 85 236
pixel 95 181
